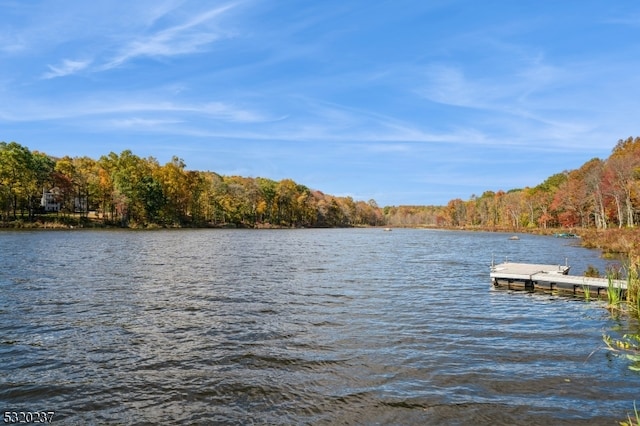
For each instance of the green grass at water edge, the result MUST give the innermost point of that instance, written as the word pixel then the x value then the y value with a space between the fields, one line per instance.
pixel 614 293
pixel 632 421
pixel 587 293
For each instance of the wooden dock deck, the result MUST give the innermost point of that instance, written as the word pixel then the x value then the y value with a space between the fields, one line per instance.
pixel 531 277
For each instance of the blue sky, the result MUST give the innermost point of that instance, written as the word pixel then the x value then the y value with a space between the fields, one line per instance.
pixel 403 101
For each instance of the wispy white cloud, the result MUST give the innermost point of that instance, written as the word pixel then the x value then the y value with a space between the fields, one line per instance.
pixel 446 84
pixel 146 123
pixel 12 43
pixel 232 113
pixel 389 147
pixel 508 92
pixel 188 37
pixel 149 14
pixel 158 30
pixel 528 103
pixel 66 68
pixel 144 107
pixel 630 20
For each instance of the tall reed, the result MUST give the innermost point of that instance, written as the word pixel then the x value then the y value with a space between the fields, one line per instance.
pixel 633 284
pixel 614 292
pixel 633 421
pixel 587 293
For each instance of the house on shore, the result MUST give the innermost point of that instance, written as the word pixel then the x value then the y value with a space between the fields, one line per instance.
pixel 49 200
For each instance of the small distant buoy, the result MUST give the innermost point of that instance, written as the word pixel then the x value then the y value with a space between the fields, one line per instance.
pixel 514 237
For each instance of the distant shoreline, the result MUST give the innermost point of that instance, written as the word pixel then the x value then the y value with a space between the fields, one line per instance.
pixel 612 241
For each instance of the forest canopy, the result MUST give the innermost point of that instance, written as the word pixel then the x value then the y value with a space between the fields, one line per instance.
pixel 600 194
pixel 127 190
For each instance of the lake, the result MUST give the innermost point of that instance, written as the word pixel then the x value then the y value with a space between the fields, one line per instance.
pixel 308 326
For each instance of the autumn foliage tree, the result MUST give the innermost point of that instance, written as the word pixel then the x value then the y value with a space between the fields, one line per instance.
pixel 127 190
pixel 600 194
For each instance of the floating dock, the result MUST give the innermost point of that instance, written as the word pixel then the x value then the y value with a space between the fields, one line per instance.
pixel 550 278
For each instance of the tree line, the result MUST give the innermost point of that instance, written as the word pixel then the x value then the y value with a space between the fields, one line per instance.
pixel 600 194
pixel 127 190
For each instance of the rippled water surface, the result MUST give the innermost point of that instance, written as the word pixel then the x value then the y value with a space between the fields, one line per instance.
pixel 299 327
